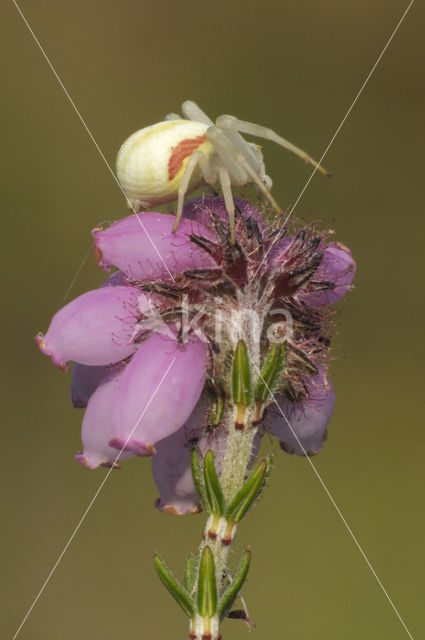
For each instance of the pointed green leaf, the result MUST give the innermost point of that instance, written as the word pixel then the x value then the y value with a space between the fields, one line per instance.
pixel 231 593
pixel 271 372
pixel 198 479
pixel 241 376
pixel 247 495
pixel 171 583
pixel 190 573
pixel 207 589
pixel 212 485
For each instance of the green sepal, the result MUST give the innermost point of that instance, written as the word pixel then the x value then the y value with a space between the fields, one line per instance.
pixel 212 485
pixel 171 583
pixel 217 393
pixel 231 593
pixel 271 372
pixel 198 479
pixel 207 588
pixel 249 492
pixel 190 573
pixel 241 376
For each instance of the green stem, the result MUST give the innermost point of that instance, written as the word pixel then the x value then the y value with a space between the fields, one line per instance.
pixel 235 466
pixel 238 456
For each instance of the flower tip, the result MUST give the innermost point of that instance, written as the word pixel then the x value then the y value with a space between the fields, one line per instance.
pixel 94 464
pixel 150 449
pixel 174 510
pixel 77 402
pixel 39 338
pixel 111 464
pixel 340 245
pixel 99 257
pixel 80 457
pixel 309 454
pixel 97 250
pixel 138 448
pixel 41 344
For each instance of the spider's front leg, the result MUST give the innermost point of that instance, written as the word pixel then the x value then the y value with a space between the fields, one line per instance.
pixel 230 122
pixel 208 173
pixel 240 170
pixel 226 187
pixel 191 111
pixel 173 116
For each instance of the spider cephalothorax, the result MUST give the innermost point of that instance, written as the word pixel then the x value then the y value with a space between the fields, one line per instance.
pixel 164 162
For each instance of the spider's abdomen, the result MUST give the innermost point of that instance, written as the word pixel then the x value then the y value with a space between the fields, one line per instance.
pixel 151 162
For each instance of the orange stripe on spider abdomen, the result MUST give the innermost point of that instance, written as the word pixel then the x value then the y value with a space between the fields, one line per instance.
pixel 181 151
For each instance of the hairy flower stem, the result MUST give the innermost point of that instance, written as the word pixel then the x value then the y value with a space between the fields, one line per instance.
pixel 235 467
pixel 238 456
pixel 239 424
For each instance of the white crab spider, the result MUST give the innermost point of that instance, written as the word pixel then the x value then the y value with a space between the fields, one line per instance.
pixel 163 162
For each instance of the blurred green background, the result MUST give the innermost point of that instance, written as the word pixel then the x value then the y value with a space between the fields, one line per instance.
pixel 295 67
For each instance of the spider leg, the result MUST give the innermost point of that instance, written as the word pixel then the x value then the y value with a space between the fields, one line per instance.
pixel 226 186
pixel 208 174
pixel 268 134
pixel 251 152
pixel 255 178
pixel 236 163
pixel 173 116
pixel 227 154
pixel 191 111
pixel 260 184
pixel 254 157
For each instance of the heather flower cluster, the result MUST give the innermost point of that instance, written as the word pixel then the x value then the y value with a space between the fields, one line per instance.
pixel 153 347
pixel 200 342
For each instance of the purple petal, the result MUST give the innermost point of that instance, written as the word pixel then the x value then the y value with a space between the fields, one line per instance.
pixel 256 445
pixel 201 209
pixel 308 418
pixel 158 390
pixel 280 252
pixel 171 464
pixel 98 428
pixel 173 476
pixel 116 279
pixel 95 329
pixel 144 247
pixel 85 381
pixel 196 430
pixel 337 267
